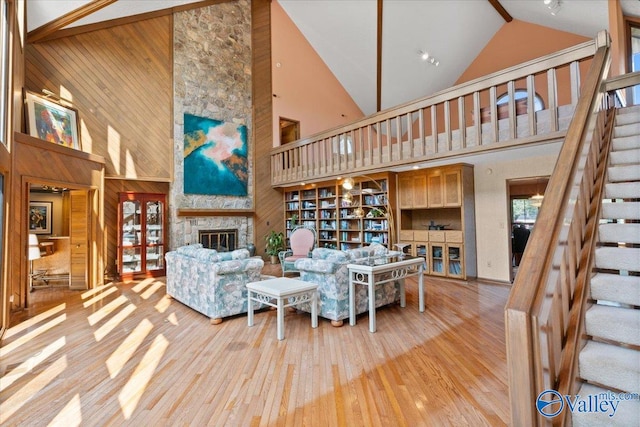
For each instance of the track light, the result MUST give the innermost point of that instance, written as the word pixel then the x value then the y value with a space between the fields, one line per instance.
pixel 553 6
pixel 427 57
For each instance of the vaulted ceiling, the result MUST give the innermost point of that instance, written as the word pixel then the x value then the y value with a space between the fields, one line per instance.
pixel 344 34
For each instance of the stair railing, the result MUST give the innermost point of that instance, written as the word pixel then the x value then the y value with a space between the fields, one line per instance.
pixel 544 312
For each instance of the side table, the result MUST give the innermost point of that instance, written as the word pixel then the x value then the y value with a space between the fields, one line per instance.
pixel 281 289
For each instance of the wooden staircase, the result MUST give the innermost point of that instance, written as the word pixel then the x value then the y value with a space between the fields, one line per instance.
pixel 610 361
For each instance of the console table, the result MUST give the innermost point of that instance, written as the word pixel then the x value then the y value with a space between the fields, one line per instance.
pixel 376 271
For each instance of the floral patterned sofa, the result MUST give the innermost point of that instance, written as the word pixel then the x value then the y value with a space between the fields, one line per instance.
pixel 328 268
pixel 211 282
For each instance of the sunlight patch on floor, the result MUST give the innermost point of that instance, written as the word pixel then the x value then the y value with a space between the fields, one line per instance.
pixel 151 290
pixel 31 335
pixel 173 319
pixel 97 290
pixel 137 384
pixel 33 361
pixel 104 330
pixel 125 351
pixel 14 330
pixel 163 304
pixel 142 285
pixel 31 389
pixel 97 298
pixel 71 414
pixel 107 310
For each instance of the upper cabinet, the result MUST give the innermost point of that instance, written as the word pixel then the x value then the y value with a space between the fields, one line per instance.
pixel 431 188
pixel 412 190
pixel 444 188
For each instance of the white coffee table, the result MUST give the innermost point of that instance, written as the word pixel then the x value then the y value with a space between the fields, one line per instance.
pixel 280 289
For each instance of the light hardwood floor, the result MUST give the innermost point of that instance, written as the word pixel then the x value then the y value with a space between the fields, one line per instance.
pixel 125 354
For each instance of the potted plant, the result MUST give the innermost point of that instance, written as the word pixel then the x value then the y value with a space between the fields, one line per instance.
pixel 274 244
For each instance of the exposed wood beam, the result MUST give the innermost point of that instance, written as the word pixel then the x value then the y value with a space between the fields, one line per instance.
pixel 501 10
pixel 379 60
pixel 66 19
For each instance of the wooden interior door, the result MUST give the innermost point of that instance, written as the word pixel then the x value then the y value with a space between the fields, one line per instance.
pixel 79 239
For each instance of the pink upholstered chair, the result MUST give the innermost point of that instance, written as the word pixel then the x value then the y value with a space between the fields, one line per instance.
pixel 302 241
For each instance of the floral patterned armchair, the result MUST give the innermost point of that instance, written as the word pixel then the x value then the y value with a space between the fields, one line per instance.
pixel 210 282
pixel 328 268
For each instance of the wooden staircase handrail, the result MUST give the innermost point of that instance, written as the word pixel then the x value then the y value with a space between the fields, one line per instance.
pixel 543 264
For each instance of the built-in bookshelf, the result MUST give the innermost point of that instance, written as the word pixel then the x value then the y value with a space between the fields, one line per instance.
pixel 341 224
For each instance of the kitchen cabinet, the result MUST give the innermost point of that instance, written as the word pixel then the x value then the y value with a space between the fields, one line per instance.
pixel 141 234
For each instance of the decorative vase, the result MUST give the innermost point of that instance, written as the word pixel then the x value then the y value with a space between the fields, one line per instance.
pixel 252 249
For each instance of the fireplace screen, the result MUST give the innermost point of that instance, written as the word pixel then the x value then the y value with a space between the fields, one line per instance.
pixel 220 240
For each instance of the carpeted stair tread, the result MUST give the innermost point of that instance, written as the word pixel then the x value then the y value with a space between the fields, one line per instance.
pixel 628 115
pixel 625 143
pixel 617 324
pixel 615 258
pixel 611 366
pixel 616 288
pixel 623 173
pixel 627 412
pixel 622 190
pixel 624 157
pixel 619 233
pixel 626 129
pixel 626 210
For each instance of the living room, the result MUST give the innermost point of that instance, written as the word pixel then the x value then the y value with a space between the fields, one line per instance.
pixel 149 159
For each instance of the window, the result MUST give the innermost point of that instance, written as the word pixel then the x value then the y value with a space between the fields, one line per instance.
pixel 634 65
pixel 524 211
pixel 538 103
pixel 4 69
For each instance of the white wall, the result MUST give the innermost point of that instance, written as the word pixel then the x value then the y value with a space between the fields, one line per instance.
pixel 492 206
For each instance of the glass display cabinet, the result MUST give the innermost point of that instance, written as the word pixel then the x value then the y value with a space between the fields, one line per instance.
pixel 141 235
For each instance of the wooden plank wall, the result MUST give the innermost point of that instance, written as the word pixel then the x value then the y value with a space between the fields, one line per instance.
pixel 269 206
pixel 120 80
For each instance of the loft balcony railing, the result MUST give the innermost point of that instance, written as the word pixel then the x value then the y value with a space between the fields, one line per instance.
pixel 465 119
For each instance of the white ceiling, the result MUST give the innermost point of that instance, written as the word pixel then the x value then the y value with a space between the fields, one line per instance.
pixel 343 33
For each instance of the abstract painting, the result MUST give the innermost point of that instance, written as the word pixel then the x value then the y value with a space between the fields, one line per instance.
pixel 51 121
pixel 215 157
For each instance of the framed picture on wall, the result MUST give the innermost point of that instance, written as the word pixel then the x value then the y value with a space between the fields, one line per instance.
pixel 40 217
pixel 51 121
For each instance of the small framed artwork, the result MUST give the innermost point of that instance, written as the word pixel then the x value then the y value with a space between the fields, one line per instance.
pixel 51 121
pixel 40 217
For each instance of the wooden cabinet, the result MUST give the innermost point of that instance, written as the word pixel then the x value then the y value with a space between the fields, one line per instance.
pixel 412 191
pixel 444 188
pixel 435 196
pixel 141 234
pixel 452 188
pixel 450 252
pixel 446 253
pixel 340 224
